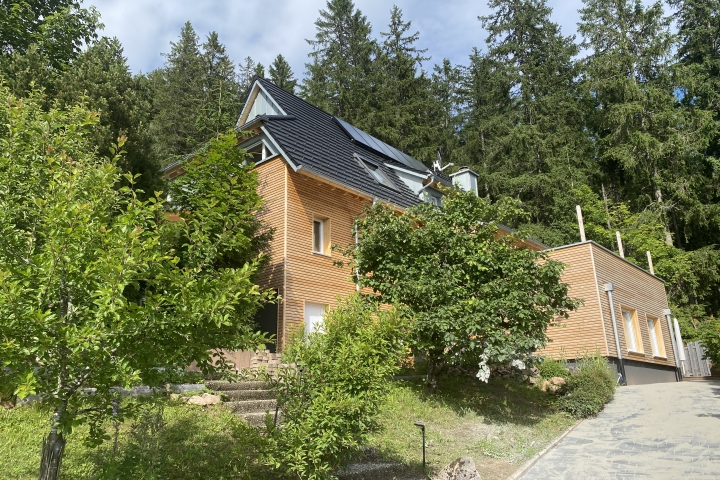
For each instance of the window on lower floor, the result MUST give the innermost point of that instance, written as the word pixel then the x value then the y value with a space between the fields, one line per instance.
pixel 656 337
pixel 632 330
pixel 314 314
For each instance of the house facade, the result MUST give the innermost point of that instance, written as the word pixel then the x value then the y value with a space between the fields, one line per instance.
pixel 625 310
pixel 317 174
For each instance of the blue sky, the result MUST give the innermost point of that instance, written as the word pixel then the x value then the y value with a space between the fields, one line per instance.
pixel 262 29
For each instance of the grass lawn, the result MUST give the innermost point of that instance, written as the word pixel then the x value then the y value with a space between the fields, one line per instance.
pixel 500 425
pixel 188 442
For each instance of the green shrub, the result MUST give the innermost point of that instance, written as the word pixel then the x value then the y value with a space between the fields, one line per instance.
pixel 331 402
pixel 590 389
pixel 550 368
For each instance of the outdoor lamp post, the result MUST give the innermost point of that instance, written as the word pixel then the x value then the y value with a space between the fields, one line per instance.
pixel 422 427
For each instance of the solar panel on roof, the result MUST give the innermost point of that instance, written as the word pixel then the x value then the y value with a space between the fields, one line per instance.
pixel 380 146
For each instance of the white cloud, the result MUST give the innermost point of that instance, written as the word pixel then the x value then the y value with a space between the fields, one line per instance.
pixel 261 30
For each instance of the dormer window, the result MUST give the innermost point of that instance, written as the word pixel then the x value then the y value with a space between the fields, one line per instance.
pixel 376 172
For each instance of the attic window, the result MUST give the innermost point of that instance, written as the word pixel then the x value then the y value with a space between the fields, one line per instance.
pixel 376 172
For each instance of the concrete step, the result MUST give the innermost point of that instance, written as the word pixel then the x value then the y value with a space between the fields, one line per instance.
pixel 255 419
pixel 249 394
pixel 252 406
pixel 224 386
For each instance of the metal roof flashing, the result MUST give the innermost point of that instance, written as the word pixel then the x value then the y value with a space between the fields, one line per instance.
pixel 593 242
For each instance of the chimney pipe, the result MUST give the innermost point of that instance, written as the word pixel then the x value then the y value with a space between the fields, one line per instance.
pixel 580 223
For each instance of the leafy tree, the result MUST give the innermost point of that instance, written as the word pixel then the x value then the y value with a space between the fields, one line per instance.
pixel 475 298
pixel 329 407
pixel 281 74
pixel 57 28
pixel 338 79
pixel 101 80
pixel 98 288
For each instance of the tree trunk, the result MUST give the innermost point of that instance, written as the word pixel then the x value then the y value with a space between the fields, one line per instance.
pixel 52 453
pixel 434 369
pixel 53 448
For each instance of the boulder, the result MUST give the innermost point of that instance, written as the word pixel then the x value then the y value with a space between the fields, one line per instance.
pixel 461 469
pixel 533 380
pixel 205 400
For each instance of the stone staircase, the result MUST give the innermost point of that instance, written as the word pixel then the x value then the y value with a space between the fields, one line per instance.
pixel 250 400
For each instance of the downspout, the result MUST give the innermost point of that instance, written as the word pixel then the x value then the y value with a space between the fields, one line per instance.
pixel 609 287
pixel 678 368
pixel 678 339
pixel 357 269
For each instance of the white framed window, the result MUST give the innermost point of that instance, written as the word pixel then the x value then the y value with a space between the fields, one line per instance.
pixel 656 338
pixel 321 235
pixel 314 316
pixel 633 339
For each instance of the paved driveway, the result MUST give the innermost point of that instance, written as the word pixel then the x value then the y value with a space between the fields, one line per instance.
pixel 665 430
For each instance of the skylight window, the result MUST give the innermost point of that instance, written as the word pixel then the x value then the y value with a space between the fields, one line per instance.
pixel 377 173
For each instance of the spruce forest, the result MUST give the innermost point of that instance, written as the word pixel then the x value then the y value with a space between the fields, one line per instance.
pixel 623 119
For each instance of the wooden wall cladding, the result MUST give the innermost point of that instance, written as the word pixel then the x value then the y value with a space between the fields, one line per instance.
pixel 589 268
pixel 583 331
pixel 638 290
pixel 313 277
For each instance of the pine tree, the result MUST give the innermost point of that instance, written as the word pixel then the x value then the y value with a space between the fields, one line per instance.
pixel 648 144
pixel 100 78
pixel 223 92
pixel 338 79
pixel 260 70
pixel 446 118
pixel 178 98
pixel 281 74
pixel 247 72
pixel 402 102
pixel 525 111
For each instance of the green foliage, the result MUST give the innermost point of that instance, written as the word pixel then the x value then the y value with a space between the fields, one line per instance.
pixel 58 28
pixel 100 78
pixel 339 78
pixel 281 74
pixel 97 287
pixel 330 404
pixel 591 388
pixel 196 96
pixel 476 299
pixel 550 368
pixel 167 439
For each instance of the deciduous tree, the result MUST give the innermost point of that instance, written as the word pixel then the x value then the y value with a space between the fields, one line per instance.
pixel 475 298
pixel 99 289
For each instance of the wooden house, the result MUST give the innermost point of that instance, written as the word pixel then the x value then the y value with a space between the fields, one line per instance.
pixel 625 310
pixel 317 173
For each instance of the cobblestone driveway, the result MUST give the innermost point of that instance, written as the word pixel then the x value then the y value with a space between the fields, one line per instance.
pixel 665 430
